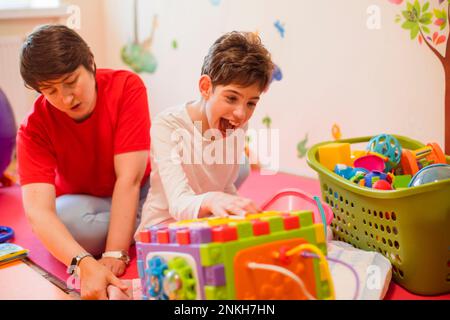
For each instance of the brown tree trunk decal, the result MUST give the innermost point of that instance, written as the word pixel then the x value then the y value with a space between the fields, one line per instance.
pixel 417 19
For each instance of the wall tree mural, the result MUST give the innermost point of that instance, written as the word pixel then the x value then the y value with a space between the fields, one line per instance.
pixel 427 23
pixel 138 55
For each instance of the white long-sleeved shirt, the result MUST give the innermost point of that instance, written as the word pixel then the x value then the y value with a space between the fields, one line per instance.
pixel 186 166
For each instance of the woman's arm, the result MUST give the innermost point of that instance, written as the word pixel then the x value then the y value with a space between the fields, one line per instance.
pixel 39 205
pixel 130 169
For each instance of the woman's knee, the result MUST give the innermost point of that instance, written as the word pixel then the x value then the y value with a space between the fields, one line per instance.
pixel 72 208
pixel 86 225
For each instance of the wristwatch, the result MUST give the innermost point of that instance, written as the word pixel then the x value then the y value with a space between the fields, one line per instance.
pixel 121 255
pixel 76 261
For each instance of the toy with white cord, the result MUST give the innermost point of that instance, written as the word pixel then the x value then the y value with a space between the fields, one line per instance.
pixel 260 256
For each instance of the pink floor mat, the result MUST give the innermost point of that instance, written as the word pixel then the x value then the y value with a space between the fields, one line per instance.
pixel 257 187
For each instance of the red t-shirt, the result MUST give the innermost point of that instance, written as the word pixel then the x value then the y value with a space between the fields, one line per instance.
pixel 78 158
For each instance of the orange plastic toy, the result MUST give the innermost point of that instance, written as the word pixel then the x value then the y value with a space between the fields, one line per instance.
pixel 410 160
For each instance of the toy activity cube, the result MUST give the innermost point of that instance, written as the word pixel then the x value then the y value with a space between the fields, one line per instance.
pixel 221 259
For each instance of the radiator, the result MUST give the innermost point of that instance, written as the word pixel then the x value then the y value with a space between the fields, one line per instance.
pixel 10 80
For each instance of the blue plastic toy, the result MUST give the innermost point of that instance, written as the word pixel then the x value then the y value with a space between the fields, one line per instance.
pixel 430 174
pixel 156 277
pixel 387 146
pixel 373 176
pixel 6 234
pixel 348 172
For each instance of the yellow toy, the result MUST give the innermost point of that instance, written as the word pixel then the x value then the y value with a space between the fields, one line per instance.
pixel 335 153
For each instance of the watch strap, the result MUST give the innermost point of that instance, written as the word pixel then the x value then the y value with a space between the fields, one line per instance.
pixel 76 262
pixel 121 255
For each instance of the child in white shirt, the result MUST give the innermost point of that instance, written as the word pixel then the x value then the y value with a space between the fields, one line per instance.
pixel 194 160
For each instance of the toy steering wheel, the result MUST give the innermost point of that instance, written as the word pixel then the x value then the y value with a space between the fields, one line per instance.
pixel 6 234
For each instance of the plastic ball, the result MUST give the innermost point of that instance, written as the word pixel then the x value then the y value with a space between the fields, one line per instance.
pixel 382 185
pixel 7 132
pixel 172 283
pixel 387 146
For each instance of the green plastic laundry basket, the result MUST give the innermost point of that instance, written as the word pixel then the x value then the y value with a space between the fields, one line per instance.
pixel 411 227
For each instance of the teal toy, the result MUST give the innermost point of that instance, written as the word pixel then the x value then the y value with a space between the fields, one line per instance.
pixel 387 146
pixel 139 58
pixel 137 55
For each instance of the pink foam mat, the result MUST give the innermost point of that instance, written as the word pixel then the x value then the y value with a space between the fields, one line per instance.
pixel 257 187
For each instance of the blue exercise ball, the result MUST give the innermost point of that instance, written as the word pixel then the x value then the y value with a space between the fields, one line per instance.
pixel 8 131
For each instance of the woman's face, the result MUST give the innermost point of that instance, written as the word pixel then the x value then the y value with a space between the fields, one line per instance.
pixel 74 93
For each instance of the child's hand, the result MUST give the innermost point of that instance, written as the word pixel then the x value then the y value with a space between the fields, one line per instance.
pixel 222 204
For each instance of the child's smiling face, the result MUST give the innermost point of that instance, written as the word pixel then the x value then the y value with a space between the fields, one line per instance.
pixel 229 107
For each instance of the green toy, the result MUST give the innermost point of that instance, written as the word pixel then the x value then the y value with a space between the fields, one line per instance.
pixel 137 55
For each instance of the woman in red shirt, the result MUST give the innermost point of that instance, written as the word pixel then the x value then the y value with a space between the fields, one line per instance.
pixel 83 156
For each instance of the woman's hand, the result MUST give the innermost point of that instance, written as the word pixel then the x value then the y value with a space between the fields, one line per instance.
pixel 222 204
pixel 95 279
pixel 116 266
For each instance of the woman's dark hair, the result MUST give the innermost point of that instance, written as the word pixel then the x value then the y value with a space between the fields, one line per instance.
pixel 52 51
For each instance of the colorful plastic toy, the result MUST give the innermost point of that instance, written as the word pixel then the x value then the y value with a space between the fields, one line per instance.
pixel 388 146
pixel 349 172
pixel 344 171
pixel 358 178
pixel 289 200
pixel 382 185
pixel 370 163
pixel 6 233
pixel 413 161
pixel 373 177
pixel 430 174
pixel 356 154
pixel 335 153
pixel 401 181
pixel 253 257
pixel 7 133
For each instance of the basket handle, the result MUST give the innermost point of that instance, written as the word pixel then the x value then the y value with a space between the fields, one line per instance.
pixel 322 214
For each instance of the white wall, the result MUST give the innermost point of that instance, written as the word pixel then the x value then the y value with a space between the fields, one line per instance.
pixel 92 26
pixel 15 30
pixel 335 69
pixel 92 30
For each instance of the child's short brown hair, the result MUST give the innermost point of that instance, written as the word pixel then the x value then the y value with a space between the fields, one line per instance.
pixel 239 58
pixel 52 51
